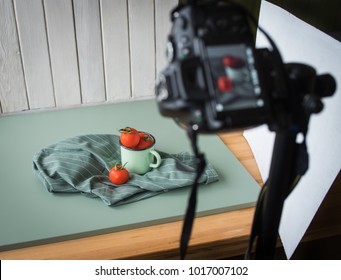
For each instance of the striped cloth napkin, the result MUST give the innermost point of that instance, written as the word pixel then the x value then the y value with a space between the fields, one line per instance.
pixel 81 164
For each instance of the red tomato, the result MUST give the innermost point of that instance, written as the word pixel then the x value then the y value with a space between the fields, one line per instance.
pixel 146 140
pixel 129 137
pixel 118 175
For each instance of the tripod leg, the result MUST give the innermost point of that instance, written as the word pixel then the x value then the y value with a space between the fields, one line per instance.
pixel 280 179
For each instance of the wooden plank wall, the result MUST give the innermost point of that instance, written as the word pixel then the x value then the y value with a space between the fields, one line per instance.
pixel 62 53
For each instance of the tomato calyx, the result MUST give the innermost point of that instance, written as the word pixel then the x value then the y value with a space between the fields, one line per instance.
pixel 119 166
pixel 128 130
pixel 147 137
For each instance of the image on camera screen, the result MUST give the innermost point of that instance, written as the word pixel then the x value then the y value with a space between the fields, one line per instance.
pixel 235 78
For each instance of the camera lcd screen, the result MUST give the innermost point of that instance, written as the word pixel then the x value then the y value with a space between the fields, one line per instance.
pixel 234 77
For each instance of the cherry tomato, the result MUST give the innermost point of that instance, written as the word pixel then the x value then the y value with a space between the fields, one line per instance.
pixel 146 140
pixel 118 175
pixel 129 137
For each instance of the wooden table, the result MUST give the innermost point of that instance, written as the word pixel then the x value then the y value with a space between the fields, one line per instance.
pixel 214 237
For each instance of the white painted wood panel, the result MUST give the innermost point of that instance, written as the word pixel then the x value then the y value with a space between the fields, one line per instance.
pixel 114 15
pixel 142 47
pixel 35 55
pixel 12 84
pixel 162 29
pixel 63 53
pixel 57 53
pixel 90 55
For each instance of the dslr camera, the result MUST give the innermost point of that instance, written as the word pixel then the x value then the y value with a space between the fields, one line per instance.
pixel 217 80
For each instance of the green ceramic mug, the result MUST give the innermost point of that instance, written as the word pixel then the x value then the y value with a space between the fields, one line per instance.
pixel 140 161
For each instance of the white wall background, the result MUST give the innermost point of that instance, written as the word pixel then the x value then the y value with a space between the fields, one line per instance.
pixel 61 53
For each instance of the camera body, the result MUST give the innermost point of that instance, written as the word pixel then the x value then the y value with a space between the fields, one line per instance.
pixel 215 80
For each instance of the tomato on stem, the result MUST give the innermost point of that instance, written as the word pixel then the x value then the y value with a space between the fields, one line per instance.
pixel 129 137
pixel 118 175
pixel 146 140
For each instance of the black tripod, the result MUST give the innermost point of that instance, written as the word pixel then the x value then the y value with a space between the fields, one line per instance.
pixel 290 157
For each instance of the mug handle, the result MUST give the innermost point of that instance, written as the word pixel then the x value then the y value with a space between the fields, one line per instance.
pixel 158 159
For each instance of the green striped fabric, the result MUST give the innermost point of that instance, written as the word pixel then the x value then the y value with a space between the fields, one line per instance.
pixel 81 164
